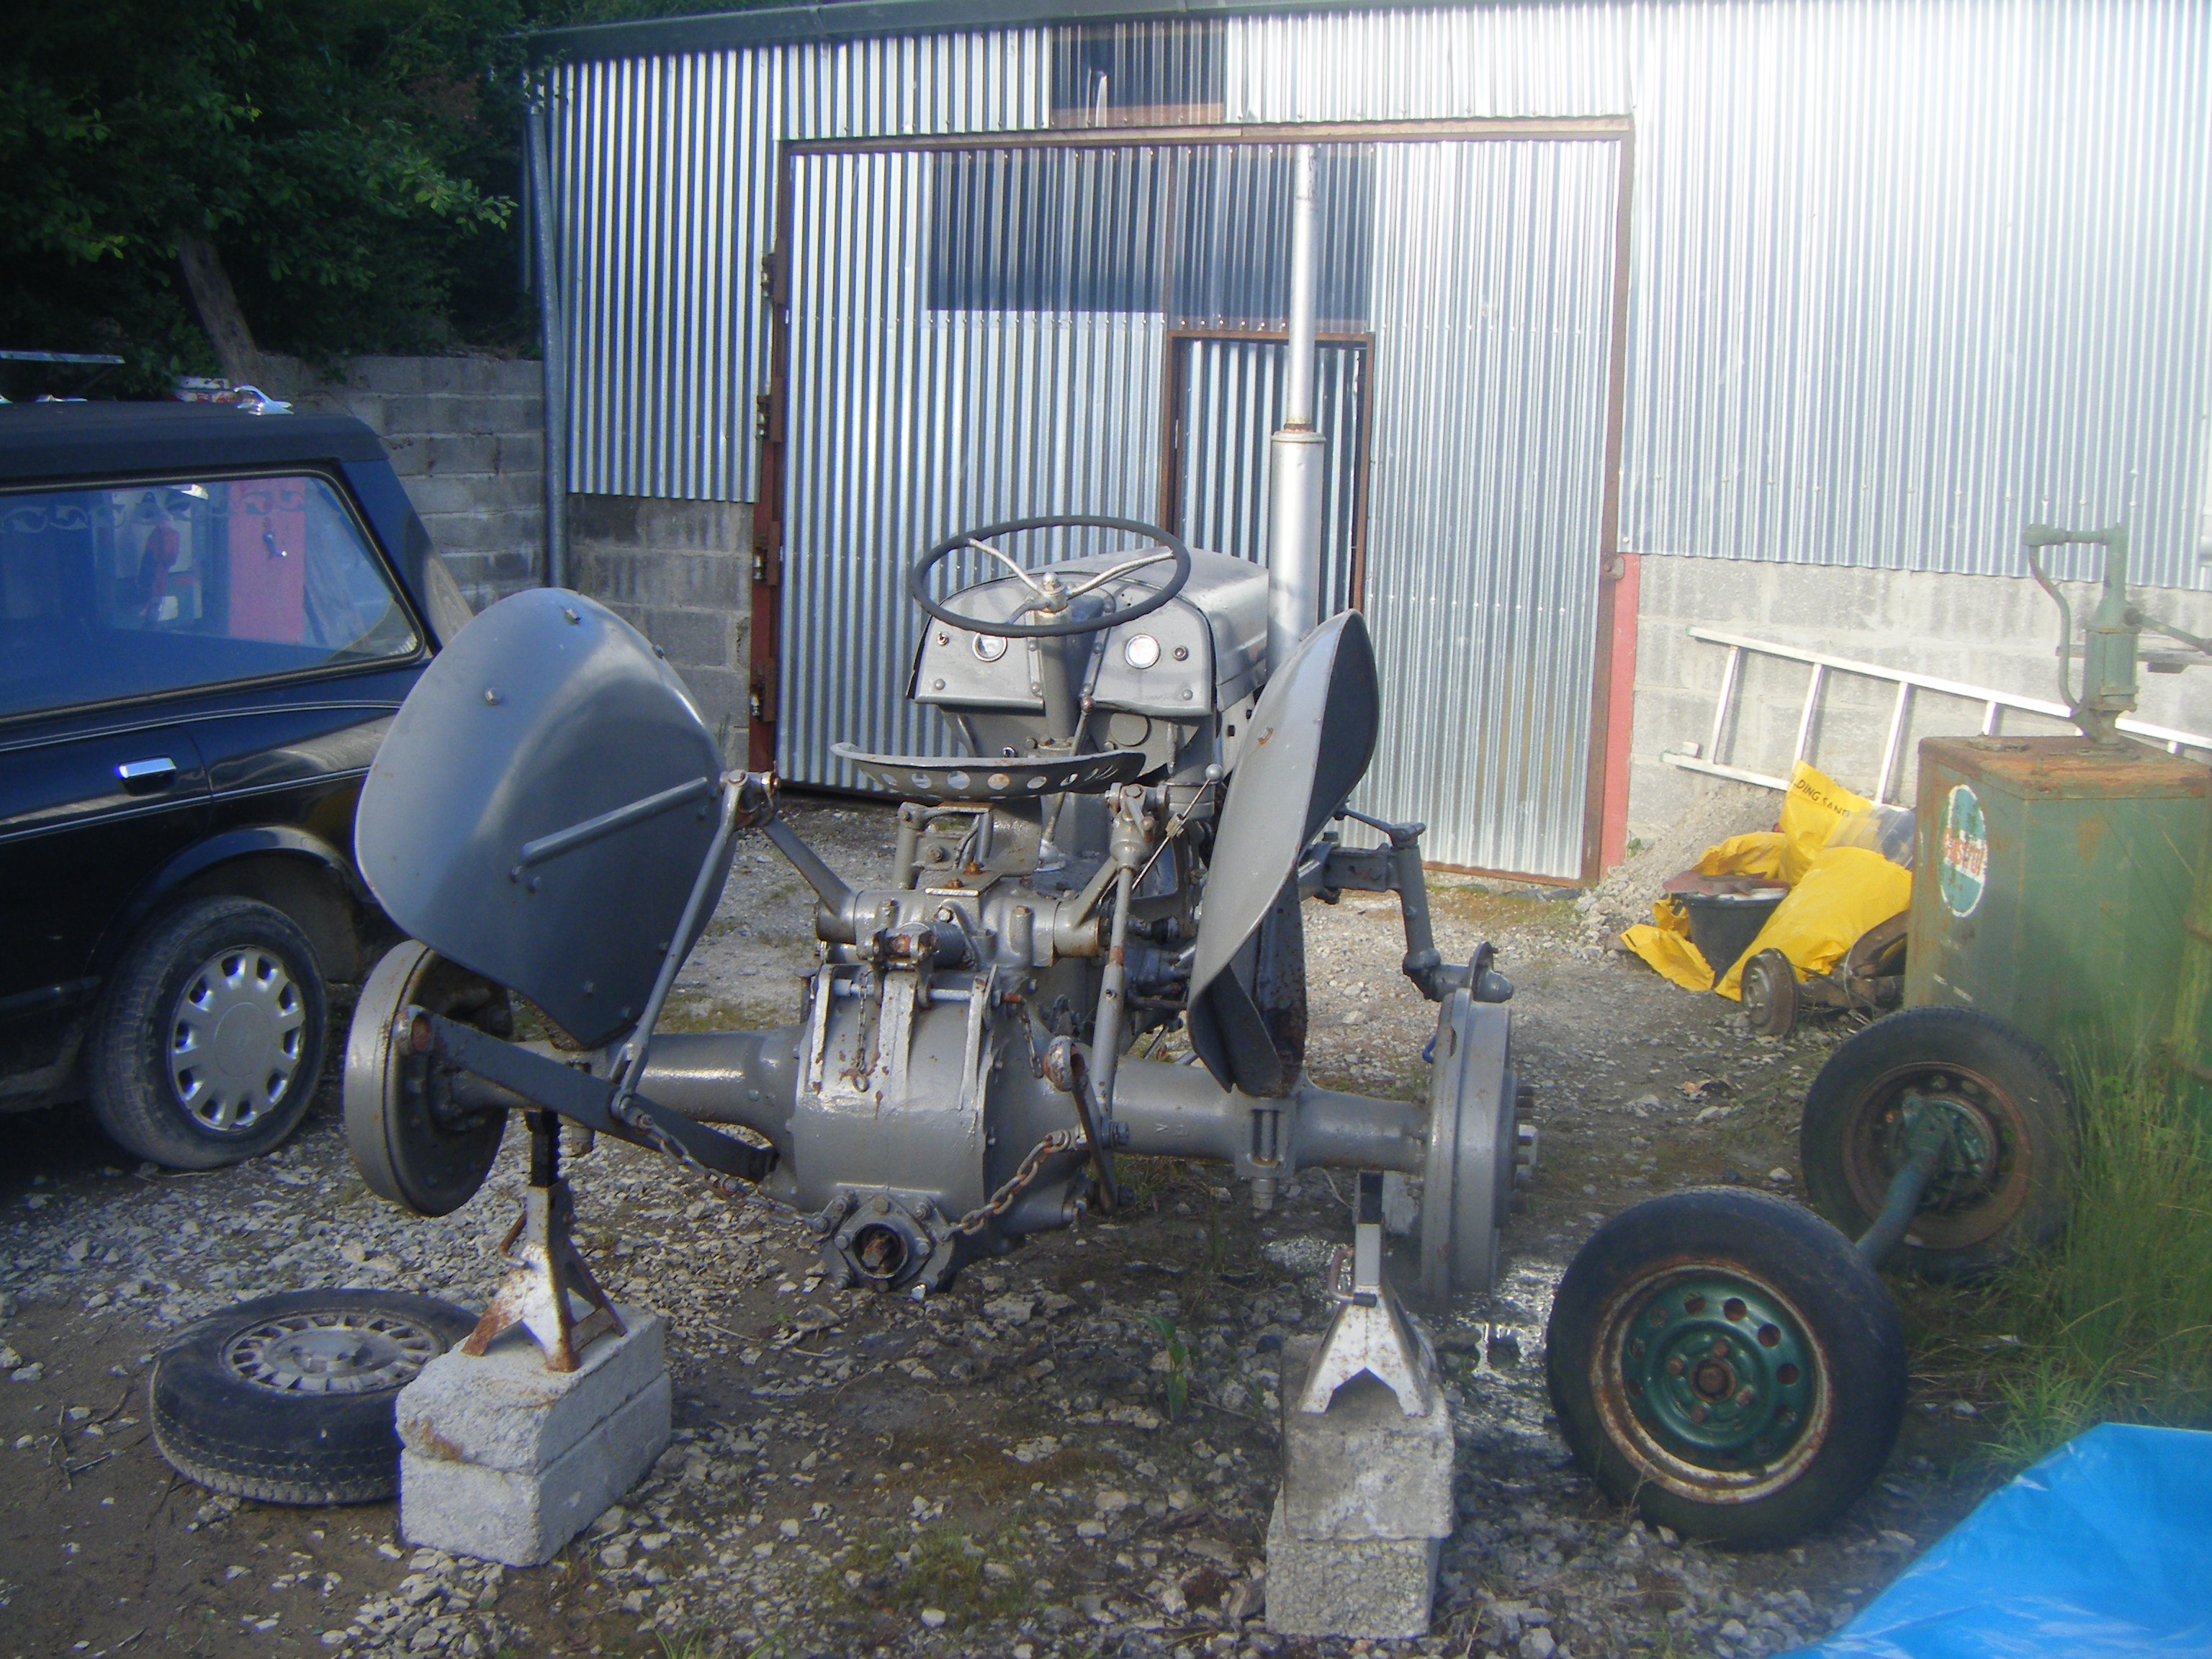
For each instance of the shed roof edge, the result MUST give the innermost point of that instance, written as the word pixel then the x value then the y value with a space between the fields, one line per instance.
pixel 861 20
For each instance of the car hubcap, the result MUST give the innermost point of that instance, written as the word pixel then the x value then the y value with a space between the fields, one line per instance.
pixel 331 1352
pixel 1711 1378
pixel 234 1039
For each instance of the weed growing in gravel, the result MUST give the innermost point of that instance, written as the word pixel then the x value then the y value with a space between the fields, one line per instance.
pixel 941 1568
pixel 1145 1179
pixel 2114 1323
pixel 1178 1352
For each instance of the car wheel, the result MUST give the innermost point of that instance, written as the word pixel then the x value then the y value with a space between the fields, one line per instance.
pixel 2007 1180
pixel 290 1399
pixel 208 1045
pixel 1726 1362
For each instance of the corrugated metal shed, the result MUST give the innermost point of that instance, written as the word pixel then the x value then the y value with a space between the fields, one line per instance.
pixel 1905 272
pixel 1899 276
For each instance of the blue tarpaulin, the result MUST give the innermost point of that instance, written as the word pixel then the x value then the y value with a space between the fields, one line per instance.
pixel 2103 1549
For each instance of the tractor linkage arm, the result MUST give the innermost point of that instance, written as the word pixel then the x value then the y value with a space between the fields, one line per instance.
pixel 1330 870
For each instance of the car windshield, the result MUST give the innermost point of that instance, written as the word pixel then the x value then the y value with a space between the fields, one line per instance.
pixel 133 591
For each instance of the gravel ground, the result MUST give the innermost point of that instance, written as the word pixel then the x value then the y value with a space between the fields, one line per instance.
pixel 992 1472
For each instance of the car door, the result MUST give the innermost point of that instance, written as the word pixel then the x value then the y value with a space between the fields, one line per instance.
pixel 87 808
pixel 163 641
pixel 299 572
pixel 97 783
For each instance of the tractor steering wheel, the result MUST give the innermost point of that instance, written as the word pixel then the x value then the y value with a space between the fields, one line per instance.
pixel 1048 596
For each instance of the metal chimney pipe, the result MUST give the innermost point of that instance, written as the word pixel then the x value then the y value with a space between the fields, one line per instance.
pixel 1297 453
pixel 550 341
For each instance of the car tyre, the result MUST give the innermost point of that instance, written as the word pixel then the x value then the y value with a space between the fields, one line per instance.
pixel 1727 1362
pixel 2006 1195
pixel 290 1399
pixel 208 1047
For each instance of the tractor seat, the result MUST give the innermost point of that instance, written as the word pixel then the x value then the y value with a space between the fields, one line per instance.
pixel 941 778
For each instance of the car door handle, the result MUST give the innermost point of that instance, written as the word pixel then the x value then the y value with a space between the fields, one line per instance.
pixel 147 777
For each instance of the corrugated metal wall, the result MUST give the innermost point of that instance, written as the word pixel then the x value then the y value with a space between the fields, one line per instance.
pixel 932 386
pixel 1231 403
pixel 1493 301
pixel 909 422
pixel 1906 272
pixel 667 173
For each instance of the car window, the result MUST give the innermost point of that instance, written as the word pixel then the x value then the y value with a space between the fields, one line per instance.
pixel 130 591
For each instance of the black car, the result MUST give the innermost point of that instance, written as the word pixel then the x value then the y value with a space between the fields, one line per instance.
pixel 208 618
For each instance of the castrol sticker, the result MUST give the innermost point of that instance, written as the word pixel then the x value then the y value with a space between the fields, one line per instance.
pixel 1964 872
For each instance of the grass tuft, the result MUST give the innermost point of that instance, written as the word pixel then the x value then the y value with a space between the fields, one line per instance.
pixel 942 1567
pixel 2114 1321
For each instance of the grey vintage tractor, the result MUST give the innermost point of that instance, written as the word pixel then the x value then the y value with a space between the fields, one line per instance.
pixel 1124 848
pixel 1122 852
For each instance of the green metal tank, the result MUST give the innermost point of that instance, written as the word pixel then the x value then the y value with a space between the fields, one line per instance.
pixel 2051 882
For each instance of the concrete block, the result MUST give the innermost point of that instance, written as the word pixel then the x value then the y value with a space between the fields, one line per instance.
pixel 517 377
pixel 695 526
pixel 418 412
pixel 725 703
pixel 1378 1590
pixel 1365 1505
pixel 485 530
pixel 433 494
pixel 368 408
pixel 505 1411
pixel 609 518
pixel 462 452
pixel 379 374
pixel 410 457
pixel 1364 1470
pixel 483 413
pixel 691 637
pixel 519 452
pixel 523 1520
pixel 505 1460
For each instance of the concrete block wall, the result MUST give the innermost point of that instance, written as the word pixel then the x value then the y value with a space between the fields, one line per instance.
pixel 681 574
pixel 466 436
pixel 2000 632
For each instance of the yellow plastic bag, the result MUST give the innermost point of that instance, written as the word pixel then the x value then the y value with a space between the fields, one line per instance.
pixel 1758 854
pixel 1846 891
pixel 1812 807
pixel 1664 943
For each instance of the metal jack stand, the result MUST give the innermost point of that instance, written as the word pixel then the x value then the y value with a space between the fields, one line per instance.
pixel 546 1267
pixel 1369 1332
pixel 1367 1489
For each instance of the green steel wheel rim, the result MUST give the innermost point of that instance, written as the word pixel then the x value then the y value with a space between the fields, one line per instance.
pixel 1712 1381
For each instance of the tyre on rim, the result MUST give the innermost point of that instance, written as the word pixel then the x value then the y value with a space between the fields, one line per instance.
pixel 209 1044
pixel 290 1399
pixel 2007 1179
pixel 1726 1362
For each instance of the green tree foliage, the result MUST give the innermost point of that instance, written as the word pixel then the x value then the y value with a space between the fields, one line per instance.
pixel 354 163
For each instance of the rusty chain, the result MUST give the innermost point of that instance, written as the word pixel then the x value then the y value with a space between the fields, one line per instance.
pixel 1060 1140
pixel 727 1186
